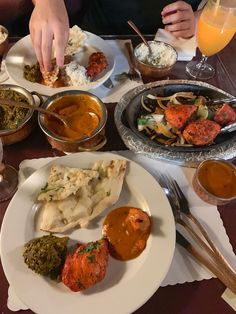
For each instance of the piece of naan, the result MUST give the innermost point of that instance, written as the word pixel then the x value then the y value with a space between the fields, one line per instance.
pixel 84 196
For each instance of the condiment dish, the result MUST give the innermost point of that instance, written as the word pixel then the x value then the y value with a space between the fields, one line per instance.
pixel 215 181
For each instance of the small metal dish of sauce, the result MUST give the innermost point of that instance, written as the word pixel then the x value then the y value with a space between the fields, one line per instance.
pixel 215 181
pixel 87 115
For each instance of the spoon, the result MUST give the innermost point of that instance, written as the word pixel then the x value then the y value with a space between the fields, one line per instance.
pixel 14 103
pixel 140 34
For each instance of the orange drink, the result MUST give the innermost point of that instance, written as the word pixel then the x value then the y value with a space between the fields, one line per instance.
pixel 215 30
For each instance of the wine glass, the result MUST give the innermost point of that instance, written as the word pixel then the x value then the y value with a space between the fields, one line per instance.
pixel 8 178
pixel 215 29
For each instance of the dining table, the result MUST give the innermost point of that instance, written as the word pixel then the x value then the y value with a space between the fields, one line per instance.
pixel 198 297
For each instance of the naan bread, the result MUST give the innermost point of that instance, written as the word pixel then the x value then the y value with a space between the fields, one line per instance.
pixel 83 197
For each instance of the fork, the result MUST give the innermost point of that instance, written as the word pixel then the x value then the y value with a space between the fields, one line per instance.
pixel 179 204
pixel 133 73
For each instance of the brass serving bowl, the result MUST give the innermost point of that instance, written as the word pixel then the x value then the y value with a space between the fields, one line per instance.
pixel 95 141
pixel 25 127
pixel 154 71
pixel 4 43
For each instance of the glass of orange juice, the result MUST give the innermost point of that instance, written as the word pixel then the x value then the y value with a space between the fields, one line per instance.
pixel 215 28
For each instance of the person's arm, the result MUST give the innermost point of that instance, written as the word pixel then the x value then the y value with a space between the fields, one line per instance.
pixel 48 22
pixel 179 19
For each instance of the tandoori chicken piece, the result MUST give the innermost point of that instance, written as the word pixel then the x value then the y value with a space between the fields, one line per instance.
pixel 201 132
pixel 97 63
pixel 87 266
pixel 225 115
pixel 179 115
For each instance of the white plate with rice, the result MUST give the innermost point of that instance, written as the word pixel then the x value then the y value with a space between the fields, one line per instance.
pixel 22 53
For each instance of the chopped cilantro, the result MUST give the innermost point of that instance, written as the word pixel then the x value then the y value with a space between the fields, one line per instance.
pixel 91 258
pixel 90 247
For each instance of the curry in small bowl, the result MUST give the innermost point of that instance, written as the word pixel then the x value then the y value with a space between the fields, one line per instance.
pixel 86 116
pixel 15 123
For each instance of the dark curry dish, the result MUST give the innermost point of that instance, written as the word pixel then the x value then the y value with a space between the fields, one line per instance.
pixel 11 117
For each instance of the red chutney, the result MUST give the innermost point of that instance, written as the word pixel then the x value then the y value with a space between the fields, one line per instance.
pixel 218 178
pixel 127 230
pixel 83 112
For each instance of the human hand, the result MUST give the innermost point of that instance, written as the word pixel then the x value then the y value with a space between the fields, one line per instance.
pixel 179 19
pixel 48 22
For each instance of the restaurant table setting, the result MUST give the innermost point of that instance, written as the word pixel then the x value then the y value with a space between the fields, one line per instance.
pixel 184 268
pixel 119 88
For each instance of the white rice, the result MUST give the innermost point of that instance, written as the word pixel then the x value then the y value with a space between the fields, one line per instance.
pixel 162 55
pixel 76 74
pixel 3 35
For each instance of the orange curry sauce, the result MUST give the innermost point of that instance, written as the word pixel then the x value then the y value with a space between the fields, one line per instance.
pixel 218 178
pixel 127 230
pixel 83 112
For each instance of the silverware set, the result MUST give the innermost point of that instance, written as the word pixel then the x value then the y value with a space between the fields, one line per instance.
pixel 204 249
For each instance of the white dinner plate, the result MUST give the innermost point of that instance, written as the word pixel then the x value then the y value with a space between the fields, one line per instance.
pixel 22 53
pixel 127 285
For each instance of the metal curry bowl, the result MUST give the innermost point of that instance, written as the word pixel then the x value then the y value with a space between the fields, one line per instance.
pixel 94 141
pixel 129 109
pixel 25 127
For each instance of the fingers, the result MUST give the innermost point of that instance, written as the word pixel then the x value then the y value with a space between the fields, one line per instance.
pixel 175 6
pixel 36 38
pixel 46 49
pixel 60 41
pixel 179 19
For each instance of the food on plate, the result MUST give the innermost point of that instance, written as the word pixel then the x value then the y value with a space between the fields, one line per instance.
pixel 82 111
pixel 97 63
pixel 72 197
pixel 11 117
pixel 127 230
pixel 162 54
pixel 46 255
pixel 182 119
pixel 86 266
pixel 76 41
pixel 201 132
pixel 179 115
pixel 225 115
pixel 73 73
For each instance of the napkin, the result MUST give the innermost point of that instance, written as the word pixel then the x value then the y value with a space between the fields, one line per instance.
pixel 186 48
pixel 184 268
pixel 121 65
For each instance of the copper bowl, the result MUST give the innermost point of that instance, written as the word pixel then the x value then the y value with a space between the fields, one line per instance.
pixel 4 43
pixel 25 127
pixel 150 70
pixel 86 143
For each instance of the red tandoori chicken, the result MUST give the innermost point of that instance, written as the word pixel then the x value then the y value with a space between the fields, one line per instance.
pixel 86 266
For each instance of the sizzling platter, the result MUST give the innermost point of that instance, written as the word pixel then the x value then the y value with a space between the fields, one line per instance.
pixel 129 109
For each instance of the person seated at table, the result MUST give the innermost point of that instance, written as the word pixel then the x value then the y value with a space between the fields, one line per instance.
pixel 49 20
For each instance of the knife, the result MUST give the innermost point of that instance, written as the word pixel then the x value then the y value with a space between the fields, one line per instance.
pixel 208 263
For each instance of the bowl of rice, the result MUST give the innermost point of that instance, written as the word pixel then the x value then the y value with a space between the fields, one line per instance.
pixel 3 40
pixel 159 63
